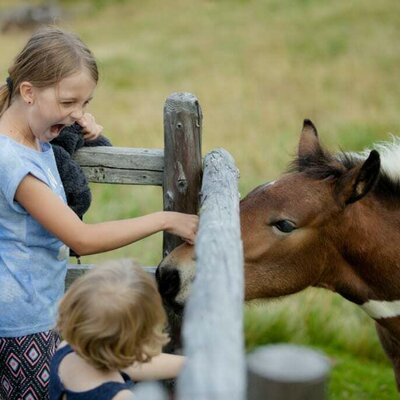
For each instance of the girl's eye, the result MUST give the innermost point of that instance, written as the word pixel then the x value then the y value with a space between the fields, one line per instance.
pixel 284 226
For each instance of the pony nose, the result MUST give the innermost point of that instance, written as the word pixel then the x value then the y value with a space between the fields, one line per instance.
pixel 168 281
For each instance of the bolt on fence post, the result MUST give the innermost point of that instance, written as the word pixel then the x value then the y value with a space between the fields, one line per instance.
pixel 287 372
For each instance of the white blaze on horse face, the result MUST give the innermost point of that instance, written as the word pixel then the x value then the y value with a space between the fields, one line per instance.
pixel 377 309
pixel 266 185
pixel 269 184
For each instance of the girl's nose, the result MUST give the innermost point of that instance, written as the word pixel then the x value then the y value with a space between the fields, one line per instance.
pixel 77 113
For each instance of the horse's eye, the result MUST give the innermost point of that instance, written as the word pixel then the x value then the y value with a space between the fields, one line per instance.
pixel 284 226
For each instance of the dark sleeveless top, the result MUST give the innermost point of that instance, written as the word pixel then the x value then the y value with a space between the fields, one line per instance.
pixel 105 391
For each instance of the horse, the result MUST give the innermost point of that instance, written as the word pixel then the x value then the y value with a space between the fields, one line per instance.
pixel 330 221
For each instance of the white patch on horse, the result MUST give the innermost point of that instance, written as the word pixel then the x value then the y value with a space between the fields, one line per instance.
pixel 377 309
pixel 390 157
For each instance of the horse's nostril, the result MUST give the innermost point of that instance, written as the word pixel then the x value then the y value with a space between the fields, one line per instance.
pixel 157 274
pixel 168 281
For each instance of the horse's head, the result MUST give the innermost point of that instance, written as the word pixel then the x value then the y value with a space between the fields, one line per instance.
pixel 293 229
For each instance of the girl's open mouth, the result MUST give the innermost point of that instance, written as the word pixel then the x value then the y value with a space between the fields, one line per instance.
pixel 55 129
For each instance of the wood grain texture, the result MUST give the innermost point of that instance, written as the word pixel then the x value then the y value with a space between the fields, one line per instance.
pixel 132 166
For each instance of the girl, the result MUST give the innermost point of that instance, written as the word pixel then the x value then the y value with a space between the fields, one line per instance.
pixel 49 86
pixel 112 320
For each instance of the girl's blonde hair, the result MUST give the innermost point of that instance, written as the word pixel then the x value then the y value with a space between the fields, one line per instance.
pixel 113 316
pixel 49 56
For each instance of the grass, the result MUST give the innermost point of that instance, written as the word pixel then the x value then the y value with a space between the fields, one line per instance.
pixel 326 322
pixel 258 67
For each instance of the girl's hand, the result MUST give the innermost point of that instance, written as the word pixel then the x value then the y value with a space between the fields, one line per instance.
pixel 90 129
pixel 182 225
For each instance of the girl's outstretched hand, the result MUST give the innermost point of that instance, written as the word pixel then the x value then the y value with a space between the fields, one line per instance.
pixel 90 129
pixel 182 225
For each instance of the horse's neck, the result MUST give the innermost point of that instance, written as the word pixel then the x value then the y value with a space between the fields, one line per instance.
pixel 374 285
pixel 369 264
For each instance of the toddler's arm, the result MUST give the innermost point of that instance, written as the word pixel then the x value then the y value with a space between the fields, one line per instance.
pixel 163 366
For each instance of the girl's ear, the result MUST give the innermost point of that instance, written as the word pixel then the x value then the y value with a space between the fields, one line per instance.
pixel 27 92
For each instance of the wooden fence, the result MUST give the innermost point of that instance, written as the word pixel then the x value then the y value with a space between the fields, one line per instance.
pixel 213 320
pixel 177 167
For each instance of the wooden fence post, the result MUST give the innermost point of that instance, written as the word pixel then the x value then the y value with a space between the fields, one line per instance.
pixel 182 158
pixel 213 321
pixel 287 372
pixel 182 175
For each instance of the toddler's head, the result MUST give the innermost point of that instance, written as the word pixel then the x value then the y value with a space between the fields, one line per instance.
pixel 113 316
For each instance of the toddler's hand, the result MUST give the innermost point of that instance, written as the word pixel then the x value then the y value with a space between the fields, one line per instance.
pixel 183 225
pixel 90 129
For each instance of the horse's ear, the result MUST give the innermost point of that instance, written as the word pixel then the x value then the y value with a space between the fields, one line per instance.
pixel 355 184
pixel 309 142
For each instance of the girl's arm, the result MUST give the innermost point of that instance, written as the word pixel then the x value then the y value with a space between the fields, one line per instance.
pixel 163 366
pixel 53 214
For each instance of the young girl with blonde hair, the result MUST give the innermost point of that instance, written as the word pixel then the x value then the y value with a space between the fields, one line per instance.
pixel 112 321
pixel 49 86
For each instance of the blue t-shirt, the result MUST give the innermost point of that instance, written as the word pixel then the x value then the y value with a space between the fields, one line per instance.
pixel 32 260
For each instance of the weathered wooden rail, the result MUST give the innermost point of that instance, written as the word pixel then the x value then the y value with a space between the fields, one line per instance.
pixel 213 321
pixel 122 165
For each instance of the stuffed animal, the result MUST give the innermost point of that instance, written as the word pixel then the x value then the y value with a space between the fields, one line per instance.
pixel 74 180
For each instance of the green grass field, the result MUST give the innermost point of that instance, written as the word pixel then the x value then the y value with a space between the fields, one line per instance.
pixel 258 68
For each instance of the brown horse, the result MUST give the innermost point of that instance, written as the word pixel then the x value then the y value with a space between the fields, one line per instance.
pixel 331 221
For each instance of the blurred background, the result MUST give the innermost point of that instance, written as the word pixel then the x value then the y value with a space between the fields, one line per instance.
pixel 258 68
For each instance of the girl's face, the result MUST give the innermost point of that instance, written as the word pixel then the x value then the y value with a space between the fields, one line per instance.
pixel 56 106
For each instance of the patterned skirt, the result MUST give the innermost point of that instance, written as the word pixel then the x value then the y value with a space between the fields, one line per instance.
pixel 25 365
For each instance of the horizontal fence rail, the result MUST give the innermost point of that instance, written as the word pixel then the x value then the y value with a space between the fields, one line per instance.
pixel 131 166
pixel 213 320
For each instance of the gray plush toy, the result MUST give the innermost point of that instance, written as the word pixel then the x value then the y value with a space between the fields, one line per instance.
pixel 74 180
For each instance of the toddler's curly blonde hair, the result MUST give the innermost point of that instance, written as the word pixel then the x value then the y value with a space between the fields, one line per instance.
pixel 113 316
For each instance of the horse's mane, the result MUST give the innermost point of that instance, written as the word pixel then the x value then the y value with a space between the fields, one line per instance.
pixel 324 165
